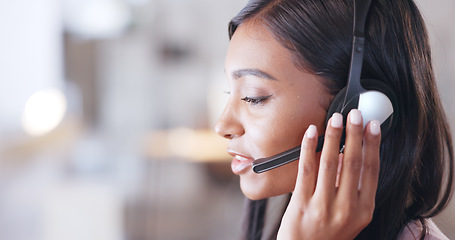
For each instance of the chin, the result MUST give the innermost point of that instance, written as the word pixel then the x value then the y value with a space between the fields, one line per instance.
pixel 254 195
pixel 258 193
pixel 269 184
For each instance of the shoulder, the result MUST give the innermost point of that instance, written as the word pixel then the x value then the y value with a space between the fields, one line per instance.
pixel 413 230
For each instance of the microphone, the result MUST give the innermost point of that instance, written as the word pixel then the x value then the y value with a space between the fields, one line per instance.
pixel 265 164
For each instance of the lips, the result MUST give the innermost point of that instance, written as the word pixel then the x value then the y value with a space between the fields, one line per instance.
pixel 240 163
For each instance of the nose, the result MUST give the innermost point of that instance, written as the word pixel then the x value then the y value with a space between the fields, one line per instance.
pixel 228 125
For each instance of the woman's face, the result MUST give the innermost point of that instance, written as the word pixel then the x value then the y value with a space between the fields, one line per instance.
pixel 271 104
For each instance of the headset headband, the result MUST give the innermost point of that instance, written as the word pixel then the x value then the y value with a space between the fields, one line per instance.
pixel 354 88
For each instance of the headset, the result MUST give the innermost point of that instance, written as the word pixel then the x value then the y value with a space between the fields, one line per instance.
pixel 375 99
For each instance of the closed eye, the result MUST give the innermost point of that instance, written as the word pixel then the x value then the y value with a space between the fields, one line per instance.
pixel 255 100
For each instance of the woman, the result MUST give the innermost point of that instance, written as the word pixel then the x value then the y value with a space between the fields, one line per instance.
pixel 286 61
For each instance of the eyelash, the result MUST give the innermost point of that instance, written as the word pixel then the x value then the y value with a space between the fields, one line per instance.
pixel 256 100
pixel 251 100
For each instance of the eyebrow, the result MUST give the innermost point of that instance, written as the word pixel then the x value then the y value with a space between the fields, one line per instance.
pixel 253 72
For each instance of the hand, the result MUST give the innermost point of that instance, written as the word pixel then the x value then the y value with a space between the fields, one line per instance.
pixel 334 199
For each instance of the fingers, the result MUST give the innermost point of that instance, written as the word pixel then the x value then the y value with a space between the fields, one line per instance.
pixel 359 163
pixel 329 158
pixel 360 166
pixel 352 162
pixel 370 173
pixel 306 177
pixel 326 211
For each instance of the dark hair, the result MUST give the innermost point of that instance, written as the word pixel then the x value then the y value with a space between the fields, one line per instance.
pixel 416 173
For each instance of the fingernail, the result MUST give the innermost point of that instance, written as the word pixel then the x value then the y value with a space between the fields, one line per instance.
pixel 355 117
pixel 375 127
pixel 311 131
pixel 337 120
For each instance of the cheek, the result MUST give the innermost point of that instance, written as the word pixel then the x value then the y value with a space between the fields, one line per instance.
pixel 272 136
pixel 287 129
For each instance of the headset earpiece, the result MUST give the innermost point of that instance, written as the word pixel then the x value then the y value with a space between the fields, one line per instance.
pixel 377 102
pixel 384 109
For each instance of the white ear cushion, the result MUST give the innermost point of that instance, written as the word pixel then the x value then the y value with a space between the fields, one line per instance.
pixel 374 105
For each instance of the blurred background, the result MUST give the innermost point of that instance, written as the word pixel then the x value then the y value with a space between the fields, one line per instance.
pixel 106 116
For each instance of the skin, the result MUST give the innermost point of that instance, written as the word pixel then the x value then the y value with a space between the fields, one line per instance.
pixel 278 123
pixel 333 194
